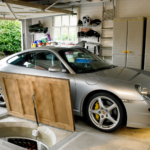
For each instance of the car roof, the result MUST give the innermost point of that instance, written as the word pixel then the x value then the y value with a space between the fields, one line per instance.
pixel 53 48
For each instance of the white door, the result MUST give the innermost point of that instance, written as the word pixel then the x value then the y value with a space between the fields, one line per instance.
pixel 135 43
pixel 147 52
pixel 119 42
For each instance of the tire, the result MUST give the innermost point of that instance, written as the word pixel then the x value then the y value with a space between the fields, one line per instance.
pixel 2 102
pixel 104 112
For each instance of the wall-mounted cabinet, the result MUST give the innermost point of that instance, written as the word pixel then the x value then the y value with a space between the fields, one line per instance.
pixel 128 42
pixel 147 51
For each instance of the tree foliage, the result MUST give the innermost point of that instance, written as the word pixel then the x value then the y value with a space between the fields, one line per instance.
pixel 10 36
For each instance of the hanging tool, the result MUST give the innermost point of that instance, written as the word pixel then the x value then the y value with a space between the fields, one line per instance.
pixel 35 110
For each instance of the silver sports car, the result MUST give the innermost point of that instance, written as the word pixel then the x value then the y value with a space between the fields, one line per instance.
pixel 106 95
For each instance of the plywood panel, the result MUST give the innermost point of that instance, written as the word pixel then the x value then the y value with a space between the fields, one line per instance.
pixel 52 99
pixel 59 97
pixel 26 98
pixel 12 94
pixel 43 97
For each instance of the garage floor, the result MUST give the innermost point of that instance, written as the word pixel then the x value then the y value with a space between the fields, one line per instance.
pixel 88 138
pixel 123 139
pixel 3 111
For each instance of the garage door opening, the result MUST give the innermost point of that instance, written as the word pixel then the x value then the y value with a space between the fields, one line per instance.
pixel 10 37
pixel 10 43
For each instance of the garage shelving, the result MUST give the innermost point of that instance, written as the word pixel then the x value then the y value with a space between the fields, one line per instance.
pixel 90 26
pixel 107 29
pixel 106 37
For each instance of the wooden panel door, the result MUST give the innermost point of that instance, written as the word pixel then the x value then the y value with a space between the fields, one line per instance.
pixel 135 43
pixel 52 99
pixel 12 96
pixel 26 98
pixel 43 101
pixel 119 42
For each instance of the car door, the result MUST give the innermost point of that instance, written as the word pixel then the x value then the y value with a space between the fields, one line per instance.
pixel 38 63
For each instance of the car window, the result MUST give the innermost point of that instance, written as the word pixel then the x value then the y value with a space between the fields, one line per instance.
pixel 44 60
pixel 37 60
pixel 83 61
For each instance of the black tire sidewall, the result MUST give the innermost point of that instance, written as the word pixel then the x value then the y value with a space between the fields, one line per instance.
pixel 116 100
pixel 3 104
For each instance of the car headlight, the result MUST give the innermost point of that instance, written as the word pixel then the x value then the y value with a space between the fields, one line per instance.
pixel 145 92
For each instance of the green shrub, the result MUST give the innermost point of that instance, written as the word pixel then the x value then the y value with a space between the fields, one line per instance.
pixel 10 36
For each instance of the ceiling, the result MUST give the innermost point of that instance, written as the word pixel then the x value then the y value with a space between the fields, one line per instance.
pixel 24 9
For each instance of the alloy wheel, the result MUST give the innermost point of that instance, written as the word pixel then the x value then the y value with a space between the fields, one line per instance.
pixel 104 112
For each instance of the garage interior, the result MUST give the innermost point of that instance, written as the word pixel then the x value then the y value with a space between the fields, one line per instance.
pixel 121 38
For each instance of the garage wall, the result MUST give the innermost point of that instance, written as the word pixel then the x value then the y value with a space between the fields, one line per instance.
pixel 124 8
pixel 94 11
pixel 47 22
pixel 27 38
pixel 132 8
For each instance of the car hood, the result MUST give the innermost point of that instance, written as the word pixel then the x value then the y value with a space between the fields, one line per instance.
pixel 136 76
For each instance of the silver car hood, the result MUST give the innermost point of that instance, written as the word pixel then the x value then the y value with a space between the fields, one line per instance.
pixel 135 76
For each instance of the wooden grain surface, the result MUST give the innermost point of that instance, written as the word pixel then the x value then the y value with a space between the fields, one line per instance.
pixel 52 99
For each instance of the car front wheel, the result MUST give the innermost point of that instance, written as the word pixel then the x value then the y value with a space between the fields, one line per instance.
pixel 105 112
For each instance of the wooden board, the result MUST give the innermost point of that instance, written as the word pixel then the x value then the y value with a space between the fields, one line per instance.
pixel 52 99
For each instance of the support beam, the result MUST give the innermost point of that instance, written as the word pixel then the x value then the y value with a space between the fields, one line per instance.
pixel 7 19
pixel 38 6
pixel 52 5
pixel 37 12
pixel 11 10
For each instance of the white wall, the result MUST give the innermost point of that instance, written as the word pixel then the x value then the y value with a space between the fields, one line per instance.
pixel 124 8
pixel 94 11
pixel 47 22
pixel 132 8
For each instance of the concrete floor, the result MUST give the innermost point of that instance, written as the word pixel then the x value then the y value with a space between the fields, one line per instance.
pixel 88 138
pixel 3 111
pixel 122 139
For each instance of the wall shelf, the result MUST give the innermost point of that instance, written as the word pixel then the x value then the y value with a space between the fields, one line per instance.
pixel 90 26
pixel 107 29
pixel 107 38
pixel 106 48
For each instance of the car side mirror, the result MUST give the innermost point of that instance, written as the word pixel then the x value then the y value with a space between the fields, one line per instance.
pixel 56 69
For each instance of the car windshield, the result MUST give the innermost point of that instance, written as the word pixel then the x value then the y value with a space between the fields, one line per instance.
pixel 83 61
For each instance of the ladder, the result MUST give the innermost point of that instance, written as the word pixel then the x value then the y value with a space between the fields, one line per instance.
pixel 108 13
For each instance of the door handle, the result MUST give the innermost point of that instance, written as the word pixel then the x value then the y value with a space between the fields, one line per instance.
pixel 126 51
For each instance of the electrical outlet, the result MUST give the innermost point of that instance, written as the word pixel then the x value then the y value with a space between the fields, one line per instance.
pixel 35 133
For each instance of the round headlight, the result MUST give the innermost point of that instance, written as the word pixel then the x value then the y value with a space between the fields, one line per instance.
pixel 143 91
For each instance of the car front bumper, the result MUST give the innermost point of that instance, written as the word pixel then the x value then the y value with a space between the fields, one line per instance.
pixel 138 113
